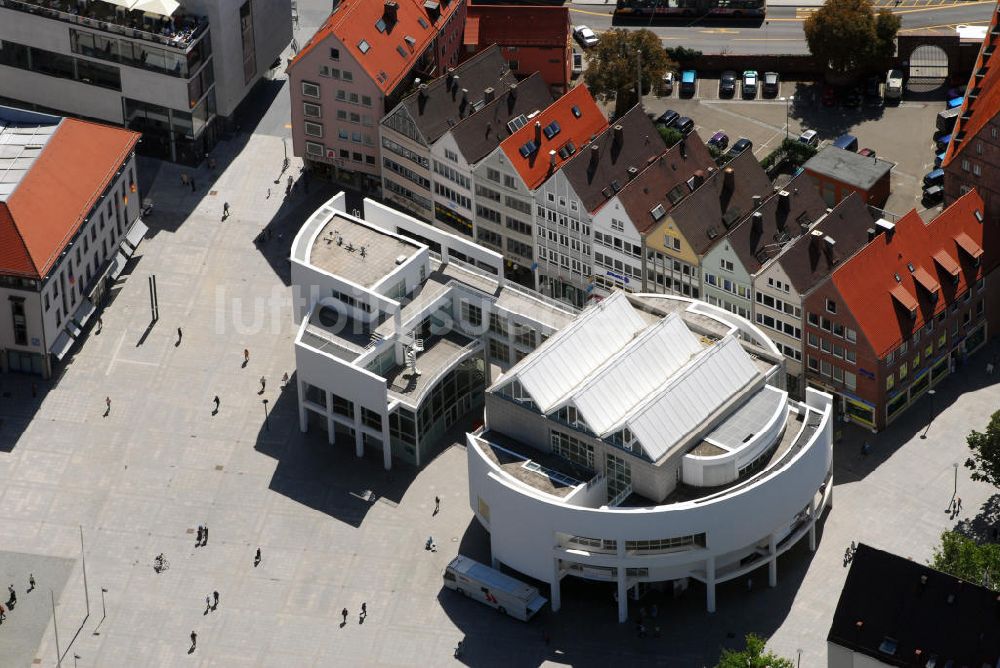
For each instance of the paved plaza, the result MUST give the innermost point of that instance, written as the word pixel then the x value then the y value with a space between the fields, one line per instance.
pixel 334 531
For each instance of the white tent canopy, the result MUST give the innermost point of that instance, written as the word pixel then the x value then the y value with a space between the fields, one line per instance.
pixel 124 4
pixel 161 7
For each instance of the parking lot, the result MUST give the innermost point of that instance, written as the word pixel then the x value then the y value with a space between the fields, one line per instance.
pixel 901 133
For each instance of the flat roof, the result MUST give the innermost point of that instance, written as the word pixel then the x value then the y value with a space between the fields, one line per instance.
pixel 849 167
pixel 748 419
pixel 360 253
pixel 440 352
pixel 544 471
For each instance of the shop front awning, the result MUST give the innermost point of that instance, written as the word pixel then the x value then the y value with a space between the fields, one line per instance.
pixel 62 345
pixel 84 313
pixel 132 238
pixel 117 265
pixel 124 4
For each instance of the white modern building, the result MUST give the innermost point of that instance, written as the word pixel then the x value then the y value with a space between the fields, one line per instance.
pixel 69 222
pixel 400 328
pixel 650 441
pixel 166 68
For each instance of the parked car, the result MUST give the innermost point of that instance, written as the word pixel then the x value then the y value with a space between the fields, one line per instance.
pixel 938 159
pixel 955 102
pixel 727 84
pixel 577 62
pixel 829 96
pixel 894 84
pixel 742 144
pixel 771 83
pixel 667 118
pixel 719 140
pixel 935 177
pixel 750 83
pixel 585 36
pixel 946 119
pixel 854 98
pixel 873 87
pixel 668 83
pixel 809 137
pixel 867 153
pixel 846 142
pixel 689 82
pixel 933 195
pixel 684 124
pixel 942 142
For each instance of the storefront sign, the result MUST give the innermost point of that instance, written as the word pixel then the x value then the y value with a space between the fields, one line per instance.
pixel 866 373
pixel 618 277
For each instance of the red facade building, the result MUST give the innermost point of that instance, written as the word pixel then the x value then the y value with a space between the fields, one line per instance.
pixel 900 314
pixel 531 39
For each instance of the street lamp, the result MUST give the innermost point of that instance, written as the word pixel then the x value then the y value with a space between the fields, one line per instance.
pixel 267 424
pixel 931 394
pixel 788 108
pixel 954 491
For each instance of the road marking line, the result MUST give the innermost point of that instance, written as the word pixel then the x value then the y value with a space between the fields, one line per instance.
pixel 584 11
pixel 114 358
pixel 972 3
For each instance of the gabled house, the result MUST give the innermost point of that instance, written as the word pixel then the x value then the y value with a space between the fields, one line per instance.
pixel 777 220
pixel 506 181
pixel 431 188
pixel 360 63
pixel 569 210
pixel 902 313
pixel 707 205
pixel 807 261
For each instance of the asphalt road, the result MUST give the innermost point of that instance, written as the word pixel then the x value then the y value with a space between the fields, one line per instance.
pixel 782 31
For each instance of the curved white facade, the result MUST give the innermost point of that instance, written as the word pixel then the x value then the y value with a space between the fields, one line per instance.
pixel 716 536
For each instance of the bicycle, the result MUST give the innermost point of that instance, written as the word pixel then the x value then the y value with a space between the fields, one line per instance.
pixel 160 564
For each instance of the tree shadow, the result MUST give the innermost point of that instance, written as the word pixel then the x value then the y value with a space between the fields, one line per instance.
pixel 830 121
pixel 985 526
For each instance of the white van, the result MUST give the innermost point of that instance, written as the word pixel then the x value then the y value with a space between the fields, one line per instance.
pixel 489 586
pixel 894 84
pixel 577 63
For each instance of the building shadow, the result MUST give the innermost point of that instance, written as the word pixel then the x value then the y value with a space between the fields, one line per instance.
pixel 586 632
pixel 324 477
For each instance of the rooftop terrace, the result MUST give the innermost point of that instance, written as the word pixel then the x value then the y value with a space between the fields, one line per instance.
pixel 440 354
pixel 364 255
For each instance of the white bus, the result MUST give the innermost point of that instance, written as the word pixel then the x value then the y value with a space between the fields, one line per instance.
pixel 489 586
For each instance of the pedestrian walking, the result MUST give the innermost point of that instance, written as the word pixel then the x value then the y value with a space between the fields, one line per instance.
pixel 215 597
pixel 12 601
pixel 654 610
pixel 34 391
pixel 31 581
pixel 989 368
pixel 437 504
pixel 201 534
pixel 268 194
pixel 225 210
pixel 107 400
pixel 193 186
pixel 344 613
pixel 284 380
pixel 204 536
pixel 263 384
pixel 256 559
pixel 217 402
pixel 958 505
pixel 364 610
pixel 194 641
pixel 208 603
pixel 246 356
pixel 3 614
pixel 180 335
pixel 185 179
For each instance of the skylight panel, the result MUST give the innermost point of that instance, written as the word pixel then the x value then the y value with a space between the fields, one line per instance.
pixel 517 123
pixel 380 25
pixel 658 212
pixel 576 111
pixel 364 46
pixel 422 22
pixel 401 51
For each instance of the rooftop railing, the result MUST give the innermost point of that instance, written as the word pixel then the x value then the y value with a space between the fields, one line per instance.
pixel 179 32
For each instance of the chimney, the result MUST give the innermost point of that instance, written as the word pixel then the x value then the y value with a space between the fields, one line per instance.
pixel 619 135
pixel 871 233
pixel 538 132
pixel 552 158
pixel 454 85
pixel 488 95
pixel 422 90
pixel 828 244
pixel 465 94
pixel 683 149
pixel 756 201
pixel 632 173
pixel 513 91
pixel 815 237
pixel 595 157
pixel 729 178
pixel 698 177
pixel 758 221
pixel 784 199
pixel 883 225
pixel 389 12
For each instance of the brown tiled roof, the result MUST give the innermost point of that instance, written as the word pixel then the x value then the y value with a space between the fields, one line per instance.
pixel 847 224
pixel 601 169
pixel 442 104
pixel 481 133
pixel 661 176
pixel 880 285
pixel 785 215
pixel 512 25
pixel 979 110
pixel 389 52
pixel 575 119
pixel 51 201
pixel 721 201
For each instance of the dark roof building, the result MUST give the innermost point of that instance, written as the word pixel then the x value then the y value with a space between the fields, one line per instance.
pixel 782 217
pixel 902 613
pixel 837 172
pixel 598 172
pixel 478 135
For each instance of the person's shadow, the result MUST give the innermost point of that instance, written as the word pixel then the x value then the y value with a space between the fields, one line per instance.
pixel 244 365
pixel 191 651
pixel 107 412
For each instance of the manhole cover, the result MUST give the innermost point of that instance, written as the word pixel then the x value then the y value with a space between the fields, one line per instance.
pixel 213 193
pixel 218 467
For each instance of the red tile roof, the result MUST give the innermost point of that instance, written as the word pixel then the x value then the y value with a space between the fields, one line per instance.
pixel 50 202
pixel 986 104
pixel 880 303
pixel 578 129
pixel 511 25
pixel 391 51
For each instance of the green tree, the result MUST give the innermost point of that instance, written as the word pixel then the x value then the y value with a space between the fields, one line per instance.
pixel 753 656
pixel 849 37
pixel 985 460
pixel 614 62
pixel 964 558
pixel 670 135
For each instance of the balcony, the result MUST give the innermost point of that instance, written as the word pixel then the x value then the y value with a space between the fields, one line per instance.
pixel 178 31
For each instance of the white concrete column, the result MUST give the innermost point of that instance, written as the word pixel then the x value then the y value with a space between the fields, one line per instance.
pixel 331 437
pixel 622 595
pixel 359 444
pixel 772 565
pixel 710 583
pixel 494 562
pixel 556 585
pixel 303 416
pixel 813 517
pixel 386 444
